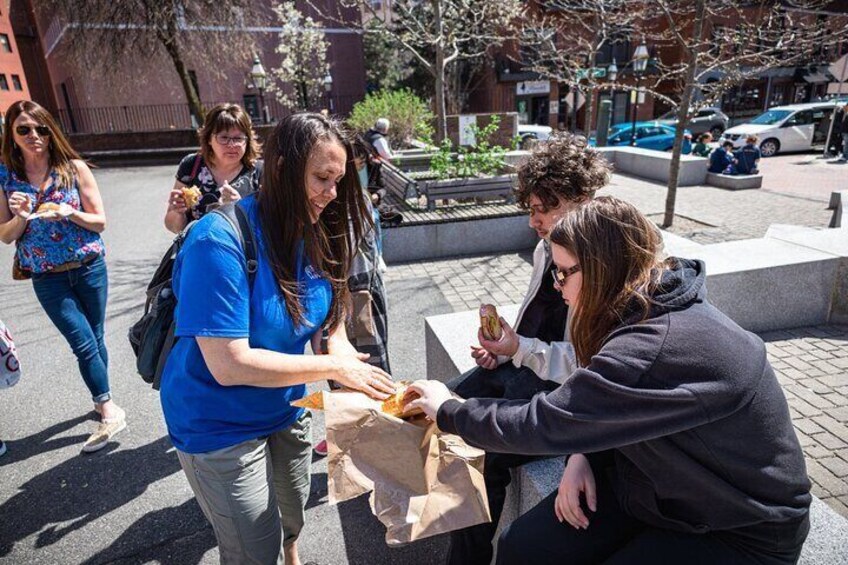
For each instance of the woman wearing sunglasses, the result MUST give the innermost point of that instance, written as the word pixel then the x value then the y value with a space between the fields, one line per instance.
pixel 226 169
pixel 693 455
pixel 51 208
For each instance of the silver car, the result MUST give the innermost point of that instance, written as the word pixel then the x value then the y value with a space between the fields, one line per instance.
pixel 709 119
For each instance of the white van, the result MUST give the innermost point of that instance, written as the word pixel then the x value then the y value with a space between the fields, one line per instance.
pixel 797 127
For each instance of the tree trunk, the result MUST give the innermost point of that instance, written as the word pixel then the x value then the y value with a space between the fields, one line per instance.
pixel 439 75
pixel 683 112
pixel 170 43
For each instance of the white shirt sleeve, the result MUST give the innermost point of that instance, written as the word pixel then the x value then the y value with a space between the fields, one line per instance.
pixel 553 361
pixel 382 147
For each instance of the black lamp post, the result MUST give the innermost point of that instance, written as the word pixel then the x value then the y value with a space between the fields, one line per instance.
pixel 640 63
pixel 328 88
pixel 260 81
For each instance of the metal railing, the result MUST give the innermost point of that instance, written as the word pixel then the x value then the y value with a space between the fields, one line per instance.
pixel 164 117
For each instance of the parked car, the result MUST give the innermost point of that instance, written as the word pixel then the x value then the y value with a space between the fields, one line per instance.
pixel 533 132
pixel 710 119
pixel 649 135
pixel 797 127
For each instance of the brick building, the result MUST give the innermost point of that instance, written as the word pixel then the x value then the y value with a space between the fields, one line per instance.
pixel 147 94
pixel 507 87
pixel 13 81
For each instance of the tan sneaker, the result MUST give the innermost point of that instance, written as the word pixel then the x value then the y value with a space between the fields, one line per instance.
pixel 107 428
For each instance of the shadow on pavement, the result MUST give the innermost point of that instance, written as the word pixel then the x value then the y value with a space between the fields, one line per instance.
pixel 184 547
pixel 364 539
pixel 82 489
pixel 41 442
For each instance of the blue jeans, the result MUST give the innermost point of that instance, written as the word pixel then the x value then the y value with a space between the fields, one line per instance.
pixel 75 301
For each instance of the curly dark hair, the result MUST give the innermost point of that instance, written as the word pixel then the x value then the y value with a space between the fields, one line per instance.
pixel 563 168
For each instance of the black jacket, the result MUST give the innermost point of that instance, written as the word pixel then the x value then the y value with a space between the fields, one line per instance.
pixel 701 430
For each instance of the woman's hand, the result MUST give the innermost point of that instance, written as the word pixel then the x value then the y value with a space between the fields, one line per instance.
pixel 576 478
pixel 20 204
pixel 431 396
pixel 229 194
pixel 506 345
pixel 483 358
pixel 176 202
pixel 353 373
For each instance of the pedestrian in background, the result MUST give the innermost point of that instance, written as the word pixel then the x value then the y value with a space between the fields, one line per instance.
pixel 226 169
pixel 51 208
pixel 10 366
pixel 702 147
pixel 748 158
pixel 239 360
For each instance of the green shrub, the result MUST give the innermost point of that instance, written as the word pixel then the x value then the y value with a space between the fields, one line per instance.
pixel 410 116
pixel 481 159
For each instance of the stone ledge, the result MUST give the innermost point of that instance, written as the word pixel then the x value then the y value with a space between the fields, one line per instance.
pixel 735 182
pixel 654 165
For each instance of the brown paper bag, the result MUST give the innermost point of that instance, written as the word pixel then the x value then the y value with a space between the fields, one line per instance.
pixel 423 482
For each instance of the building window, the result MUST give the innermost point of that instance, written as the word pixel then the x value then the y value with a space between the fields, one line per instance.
pixel 16 82
pixel 4 43
pixel 4 84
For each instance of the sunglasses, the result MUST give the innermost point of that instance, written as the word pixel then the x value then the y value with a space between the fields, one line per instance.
pixel 561 276
pixel 43 131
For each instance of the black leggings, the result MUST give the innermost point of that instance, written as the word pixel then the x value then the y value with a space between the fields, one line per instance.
pixel 615 538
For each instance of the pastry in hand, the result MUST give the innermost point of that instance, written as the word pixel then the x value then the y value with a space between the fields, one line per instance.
pixel 314 401
pixel 394 404
pixel 48 207
pixel 191 196
pixel 490 322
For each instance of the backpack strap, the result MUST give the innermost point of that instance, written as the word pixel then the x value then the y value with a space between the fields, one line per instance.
pixel 195 167
pixel 241 225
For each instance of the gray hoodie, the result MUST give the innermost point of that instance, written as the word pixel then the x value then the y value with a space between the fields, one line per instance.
pixel 688 401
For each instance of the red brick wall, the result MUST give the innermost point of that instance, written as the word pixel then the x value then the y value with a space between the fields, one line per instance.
pixel 10 64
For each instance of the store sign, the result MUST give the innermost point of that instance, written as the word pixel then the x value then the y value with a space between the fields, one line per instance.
pixel 529 87
pixel 554 109
pixel 466 133
pixel 839 69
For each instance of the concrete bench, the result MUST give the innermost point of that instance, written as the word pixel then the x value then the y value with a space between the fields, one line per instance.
pixel 655 165
pixel 735 182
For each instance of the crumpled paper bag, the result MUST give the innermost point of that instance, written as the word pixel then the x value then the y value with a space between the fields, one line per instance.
pixel 423 482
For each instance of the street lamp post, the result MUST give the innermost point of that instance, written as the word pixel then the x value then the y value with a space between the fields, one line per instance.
pixel 640 63
pixel 328 88
pixel 260 81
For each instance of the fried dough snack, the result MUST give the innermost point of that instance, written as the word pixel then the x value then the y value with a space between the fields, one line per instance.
pixel 392 405
pixel 191 196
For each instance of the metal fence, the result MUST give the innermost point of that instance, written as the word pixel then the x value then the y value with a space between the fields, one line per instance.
pixel 164 117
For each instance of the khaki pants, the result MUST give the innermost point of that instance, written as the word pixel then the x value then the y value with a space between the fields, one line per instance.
pixel 254 493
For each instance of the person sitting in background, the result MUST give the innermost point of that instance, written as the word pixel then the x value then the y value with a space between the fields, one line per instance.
pixel 376 138
pixel 686 149
pixel 702 147
pixel 226 169
pixel 721 159
pixel 748 157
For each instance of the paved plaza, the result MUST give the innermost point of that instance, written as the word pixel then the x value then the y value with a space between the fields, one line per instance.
pixel 130 503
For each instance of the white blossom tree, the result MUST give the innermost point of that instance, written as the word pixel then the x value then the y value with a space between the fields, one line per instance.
pixel 298 82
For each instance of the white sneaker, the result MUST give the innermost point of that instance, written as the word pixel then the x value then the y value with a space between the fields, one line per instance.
pixel 2 447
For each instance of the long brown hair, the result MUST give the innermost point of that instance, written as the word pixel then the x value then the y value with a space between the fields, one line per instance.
pixel 224 117
pixel 59 149
pixel 284 211
pixel 617 249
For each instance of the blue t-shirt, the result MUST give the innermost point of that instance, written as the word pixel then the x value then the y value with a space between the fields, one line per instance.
pixel 214 300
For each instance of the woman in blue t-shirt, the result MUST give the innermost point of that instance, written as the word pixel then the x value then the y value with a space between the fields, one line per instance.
pixel 50 207
pixel 228 382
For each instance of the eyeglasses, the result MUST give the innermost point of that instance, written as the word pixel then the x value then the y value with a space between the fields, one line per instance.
pixel 43 131
pixel 225 140
pixel 560 277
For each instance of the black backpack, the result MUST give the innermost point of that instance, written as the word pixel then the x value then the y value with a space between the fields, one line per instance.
pixel 152 337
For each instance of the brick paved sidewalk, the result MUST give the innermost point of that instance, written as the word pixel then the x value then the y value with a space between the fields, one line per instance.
pixel 811 363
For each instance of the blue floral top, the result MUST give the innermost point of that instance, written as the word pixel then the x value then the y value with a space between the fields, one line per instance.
pixel 45 244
